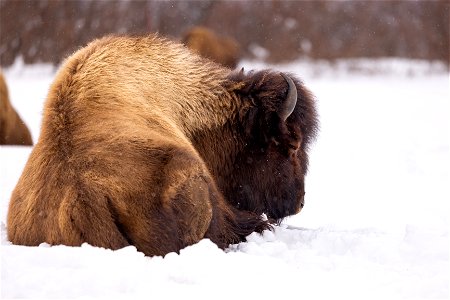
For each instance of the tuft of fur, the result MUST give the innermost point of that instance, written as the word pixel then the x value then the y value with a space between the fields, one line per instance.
pixel 13 130
pixel 205 42
pixel 144 143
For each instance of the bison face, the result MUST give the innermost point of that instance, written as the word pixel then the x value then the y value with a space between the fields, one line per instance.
pixel 277 126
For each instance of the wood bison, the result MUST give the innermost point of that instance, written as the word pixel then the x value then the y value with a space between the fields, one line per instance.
pixel 144 143
pixel 223 50
pixel 13 130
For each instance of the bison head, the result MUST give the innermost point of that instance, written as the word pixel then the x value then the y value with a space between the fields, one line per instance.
pixel 277 121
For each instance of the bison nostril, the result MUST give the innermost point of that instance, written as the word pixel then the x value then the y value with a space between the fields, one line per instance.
pixel 300 206
pixel 302 200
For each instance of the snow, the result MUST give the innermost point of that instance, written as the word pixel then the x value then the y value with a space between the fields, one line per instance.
pixel 375 224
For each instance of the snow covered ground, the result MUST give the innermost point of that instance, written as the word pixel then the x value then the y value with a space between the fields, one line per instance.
pixel 375 224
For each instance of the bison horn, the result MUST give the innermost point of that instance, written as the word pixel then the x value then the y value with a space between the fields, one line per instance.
pixel 291 99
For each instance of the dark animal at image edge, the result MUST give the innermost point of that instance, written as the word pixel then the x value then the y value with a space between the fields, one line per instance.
pixel 144 143
pixel 203 41
pixel 13 130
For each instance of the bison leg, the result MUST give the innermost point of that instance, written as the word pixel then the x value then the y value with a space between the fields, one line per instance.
pixel 82 216
pixel 170 213
pixel 188 207
pixel 199 208
pixel 230 225
pixel 88 218
pixel 170 209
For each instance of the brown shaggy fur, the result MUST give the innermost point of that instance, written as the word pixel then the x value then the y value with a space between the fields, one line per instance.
pixel 144 143
pixel 223 50
pixel 13 130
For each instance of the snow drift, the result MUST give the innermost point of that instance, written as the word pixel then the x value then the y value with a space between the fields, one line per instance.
pixel 375 222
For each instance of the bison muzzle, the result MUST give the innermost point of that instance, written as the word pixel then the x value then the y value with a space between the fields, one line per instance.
pixel 144 143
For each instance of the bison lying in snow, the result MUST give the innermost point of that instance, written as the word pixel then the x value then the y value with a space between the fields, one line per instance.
pixel 223 50
pixel 12 129
pixel 144 143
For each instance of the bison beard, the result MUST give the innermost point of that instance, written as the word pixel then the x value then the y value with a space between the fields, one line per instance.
pixel 144 143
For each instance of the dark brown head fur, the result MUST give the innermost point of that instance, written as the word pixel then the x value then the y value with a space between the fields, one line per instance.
pixel 265 172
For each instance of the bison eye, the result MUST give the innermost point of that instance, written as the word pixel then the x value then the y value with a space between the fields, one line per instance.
pixel 291 146
pixel 275 141
pixel 294 145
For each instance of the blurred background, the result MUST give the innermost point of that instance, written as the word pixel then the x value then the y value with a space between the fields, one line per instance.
pixel 272 31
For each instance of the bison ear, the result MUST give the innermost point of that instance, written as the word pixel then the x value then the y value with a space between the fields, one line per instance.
pixel 290 102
